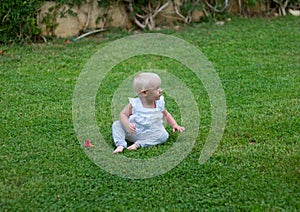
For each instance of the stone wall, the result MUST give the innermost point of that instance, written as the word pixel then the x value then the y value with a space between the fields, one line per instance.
pixel 91 16
pixel 87 16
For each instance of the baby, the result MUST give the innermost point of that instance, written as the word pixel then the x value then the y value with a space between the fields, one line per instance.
pixel 141 120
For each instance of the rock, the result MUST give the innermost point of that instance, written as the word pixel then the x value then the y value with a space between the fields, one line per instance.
pixel 88 16
pixel 220 23
pixel 61 26
pixel 196 15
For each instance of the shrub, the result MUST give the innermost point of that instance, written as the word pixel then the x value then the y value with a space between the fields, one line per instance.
pixel 18 20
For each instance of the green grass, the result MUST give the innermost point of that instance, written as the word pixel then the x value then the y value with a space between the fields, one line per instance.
pixel 256 166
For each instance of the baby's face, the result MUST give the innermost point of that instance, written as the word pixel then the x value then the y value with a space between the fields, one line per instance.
pixel 155 91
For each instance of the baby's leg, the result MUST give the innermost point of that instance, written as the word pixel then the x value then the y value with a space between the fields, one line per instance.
pixel 119 134
pixel 153 141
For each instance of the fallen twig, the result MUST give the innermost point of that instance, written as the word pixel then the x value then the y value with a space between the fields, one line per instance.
pixel 88 33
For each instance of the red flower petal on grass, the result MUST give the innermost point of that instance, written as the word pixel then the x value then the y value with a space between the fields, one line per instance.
pixel 88 143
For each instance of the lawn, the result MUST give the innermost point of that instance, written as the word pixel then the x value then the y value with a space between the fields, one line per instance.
pixel 255 168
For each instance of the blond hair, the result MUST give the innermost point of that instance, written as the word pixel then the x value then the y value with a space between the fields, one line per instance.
pixel 145 81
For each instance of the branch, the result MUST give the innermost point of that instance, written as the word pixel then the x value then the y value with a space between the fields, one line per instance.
pixel 139 23
pixel 177 12
pixel 6 15
pixel 240 6
pixel 88 33
pixel 285 4
pixel 140 16
pixel 136 21
pixel 282 6
pixel 104 17
pixel 205 12
pixel 160 8
pixel 214 8
pixel 294 12
pixel 280 3
pixel 185 19
pixel 88 17
pixel 147 20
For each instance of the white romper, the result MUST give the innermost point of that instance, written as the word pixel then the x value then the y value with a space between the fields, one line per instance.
pixel 149 125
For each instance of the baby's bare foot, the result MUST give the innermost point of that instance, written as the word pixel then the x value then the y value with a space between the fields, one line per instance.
pixel 133 147
pixel 118 149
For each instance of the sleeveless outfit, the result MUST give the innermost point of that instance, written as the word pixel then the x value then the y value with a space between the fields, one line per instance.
pixel 149 125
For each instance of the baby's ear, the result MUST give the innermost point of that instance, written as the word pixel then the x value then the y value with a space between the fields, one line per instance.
pixel 143 92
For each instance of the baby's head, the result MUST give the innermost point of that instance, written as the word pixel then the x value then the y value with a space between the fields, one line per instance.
pixel 146 81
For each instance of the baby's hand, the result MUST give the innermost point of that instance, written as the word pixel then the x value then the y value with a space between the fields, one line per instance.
pixel 178 128
pixel 131 128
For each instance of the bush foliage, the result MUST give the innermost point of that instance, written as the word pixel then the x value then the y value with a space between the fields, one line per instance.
pixel 18 20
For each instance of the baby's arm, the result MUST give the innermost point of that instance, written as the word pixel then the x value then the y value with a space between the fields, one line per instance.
pixel 171 121
pixel 124 119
